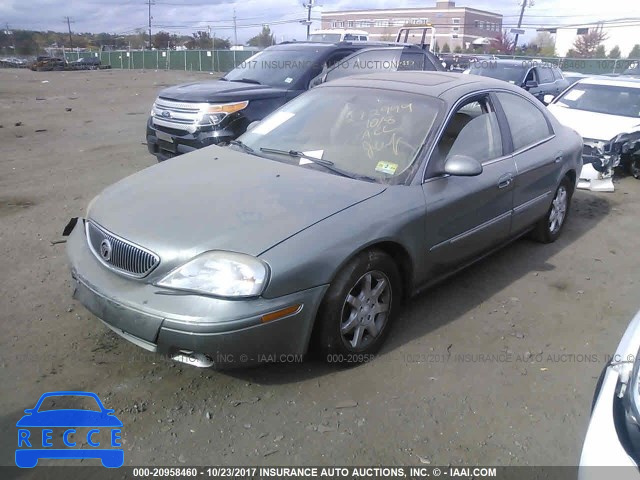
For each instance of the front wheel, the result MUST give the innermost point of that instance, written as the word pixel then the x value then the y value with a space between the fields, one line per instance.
pixel 634 167
pixel 357 310
pixel 548 229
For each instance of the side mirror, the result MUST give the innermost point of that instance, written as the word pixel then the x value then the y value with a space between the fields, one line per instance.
pixel 462 166
pixel 252 125
pixel 531 84
pixel 548 98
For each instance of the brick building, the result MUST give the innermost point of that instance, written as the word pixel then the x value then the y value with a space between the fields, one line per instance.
pixel 455 26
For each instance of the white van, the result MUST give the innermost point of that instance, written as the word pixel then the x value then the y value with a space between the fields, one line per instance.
pixel 338 35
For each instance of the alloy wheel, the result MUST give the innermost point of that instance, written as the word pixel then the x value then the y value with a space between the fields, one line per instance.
pixel 558 210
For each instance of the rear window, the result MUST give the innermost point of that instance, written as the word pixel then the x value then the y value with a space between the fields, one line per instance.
pixel 509 73
pixel 609 99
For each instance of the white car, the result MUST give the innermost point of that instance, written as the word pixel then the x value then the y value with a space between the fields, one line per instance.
pixel 613 436
pixel 599 108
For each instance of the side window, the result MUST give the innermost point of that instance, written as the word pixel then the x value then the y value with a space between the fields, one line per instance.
pixel 411 61
pixel 545 75
pixel 319 69
pixel 473 131
pixel 531 76
pixel 527 123
pixel 557 73
pixel 370 61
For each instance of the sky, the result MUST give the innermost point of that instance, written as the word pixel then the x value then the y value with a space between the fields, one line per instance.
pixel 187 16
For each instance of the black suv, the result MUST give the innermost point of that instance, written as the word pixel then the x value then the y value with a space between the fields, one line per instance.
pixel 195 115
pixel 538 78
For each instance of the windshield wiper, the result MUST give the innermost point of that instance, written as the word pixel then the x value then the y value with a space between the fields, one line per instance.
pixel 247 80
pixel 243 146
pixel 328 164
pixel 224 79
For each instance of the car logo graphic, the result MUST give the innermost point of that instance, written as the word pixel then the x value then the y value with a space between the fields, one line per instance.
pixel 166 114
pixel 35 432
pixel 105 249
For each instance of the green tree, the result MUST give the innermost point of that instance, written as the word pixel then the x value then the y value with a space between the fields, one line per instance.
pixel 615 52
pixel 635 51
pixel 600 52
pixel 458 49
pixel 446 48
pixel 221 43
pixel 162 40
pixel 200 40
pixel 264 39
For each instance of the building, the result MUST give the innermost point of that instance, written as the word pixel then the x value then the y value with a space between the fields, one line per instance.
pixel 623 33
pixel 455 26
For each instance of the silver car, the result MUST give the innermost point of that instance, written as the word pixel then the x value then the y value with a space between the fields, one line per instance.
pixel 316 225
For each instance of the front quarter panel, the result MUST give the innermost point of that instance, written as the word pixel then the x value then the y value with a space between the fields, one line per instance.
pixel 314 256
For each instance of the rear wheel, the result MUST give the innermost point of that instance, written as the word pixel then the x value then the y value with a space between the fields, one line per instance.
pixel 634 167
pixel 548 229
pixel 357 310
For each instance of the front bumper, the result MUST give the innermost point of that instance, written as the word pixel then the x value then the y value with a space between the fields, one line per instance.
pixel 186 327
pixel 165 145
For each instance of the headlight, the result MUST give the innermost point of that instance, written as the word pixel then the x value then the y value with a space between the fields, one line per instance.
pixel 215 113
pixel 224 274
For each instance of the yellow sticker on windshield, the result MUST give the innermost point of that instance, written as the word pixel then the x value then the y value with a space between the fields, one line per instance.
pixel 387 167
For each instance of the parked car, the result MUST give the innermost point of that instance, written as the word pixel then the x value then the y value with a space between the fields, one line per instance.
pixel 191 116
pixel 318 221
pixel 633 70
pixel 382 59
pixel 47 64
pixel 599 108
pixel 573 77
pixel 336 35
pixel 459 62
pixel 613 435
pixel 537 78
pixel 86 63
pixel 13 62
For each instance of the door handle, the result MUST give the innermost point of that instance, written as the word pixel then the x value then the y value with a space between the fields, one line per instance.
pixel 505 180
pixel 558 158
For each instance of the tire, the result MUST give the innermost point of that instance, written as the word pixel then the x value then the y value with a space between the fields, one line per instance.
pixel 549 228
pixel 634 168
pixel 354 318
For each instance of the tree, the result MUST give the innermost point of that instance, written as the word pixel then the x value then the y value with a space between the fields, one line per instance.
pixel 587 44
pixel 264 39
pixel 635 52
pixel 221 43
pixel 200 40
pixel 458 49
pixel 446 48
pixel 504 42
pixel 546 44
pixel 615 52
pixel 600 52
pixel 162 40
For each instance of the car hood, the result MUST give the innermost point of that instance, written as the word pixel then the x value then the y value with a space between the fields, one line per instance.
pixel 69 418
pixel 591 125
pixel 219 91
pixel 217 198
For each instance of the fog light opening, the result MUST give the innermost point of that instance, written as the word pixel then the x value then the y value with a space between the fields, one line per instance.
pixel 194 359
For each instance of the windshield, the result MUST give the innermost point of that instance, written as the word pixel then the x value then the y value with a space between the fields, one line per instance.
pixel 277 67
pixel 609 99
pixel 634 69
pixel 508 73
pixel 69 402
pixel 362 131
pixel 325 37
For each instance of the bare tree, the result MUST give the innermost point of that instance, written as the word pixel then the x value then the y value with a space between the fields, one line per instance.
pixel 504 42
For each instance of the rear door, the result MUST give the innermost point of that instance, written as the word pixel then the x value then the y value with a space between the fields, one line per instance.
pixel 538 158
pixel 467 216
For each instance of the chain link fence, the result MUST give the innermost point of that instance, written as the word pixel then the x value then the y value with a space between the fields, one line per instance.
pixel 188 60
pixel 588 66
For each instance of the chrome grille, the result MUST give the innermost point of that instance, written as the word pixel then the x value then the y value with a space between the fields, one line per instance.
pixel 121 255
pixel 182 116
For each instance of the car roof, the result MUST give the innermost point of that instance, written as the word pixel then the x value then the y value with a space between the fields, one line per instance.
pixel 330 45
pixel 435 84
pixel 612 81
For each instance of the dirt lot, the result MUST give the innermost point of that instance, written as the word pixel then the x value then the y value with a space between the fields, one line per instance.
pixel 543 316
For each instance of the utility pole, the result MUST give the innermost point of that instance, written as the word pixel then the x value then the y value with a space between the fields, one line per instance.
pixel 235 28
pixel 149 2
pixel 308 6
pixel 69 22
pixel 525 4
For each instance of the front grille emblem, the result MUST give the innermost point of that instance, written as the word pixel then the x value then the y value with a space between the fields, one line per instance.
pixel 166 114
pixel 105 249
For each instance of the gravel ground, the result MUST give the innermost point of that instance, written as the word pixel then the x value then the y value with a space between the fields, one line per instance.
pixel 495 366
